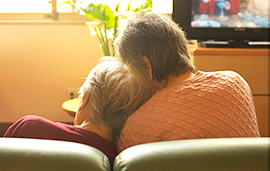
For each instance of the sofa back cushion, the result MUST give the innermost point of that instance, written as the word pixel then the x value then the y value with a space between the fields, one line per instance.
pixel 233 154
pixel 22 154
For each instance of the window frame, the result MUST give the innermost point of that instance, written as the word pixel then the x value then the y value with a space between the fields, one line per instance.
pixel 53 16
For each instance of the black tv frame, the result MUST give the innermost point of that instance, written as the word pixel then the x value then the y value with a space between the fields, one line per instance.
pixel 218 37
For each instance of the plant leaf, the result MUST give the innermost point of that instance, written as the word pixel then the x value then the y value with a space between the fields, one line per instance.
pixel 118 5
pixel 147 5
pixel 67 2
pixel 101 12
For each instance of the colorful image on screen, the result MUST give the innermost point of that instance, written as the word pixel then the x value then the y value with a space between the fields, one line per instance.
pixel 230 13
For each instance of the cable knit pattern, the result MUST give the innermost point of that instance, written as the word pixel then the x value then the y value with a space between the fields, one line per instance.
pixel 207 105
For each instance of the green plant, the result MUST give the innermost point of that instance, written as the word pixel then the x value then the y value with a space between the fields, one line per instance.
pixel 105 21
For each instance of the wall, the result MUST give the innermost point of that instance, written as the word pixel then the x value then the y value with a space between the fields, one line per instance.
pixel 38 62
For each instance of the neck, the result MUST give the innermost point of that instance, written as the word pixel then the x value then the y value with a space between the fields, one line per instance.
pixel 102 130
pixel 175 80
pixel 82 119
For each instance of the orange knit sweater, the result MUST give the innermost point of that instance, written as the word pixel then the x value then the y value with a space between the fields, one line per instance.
pixel 206 105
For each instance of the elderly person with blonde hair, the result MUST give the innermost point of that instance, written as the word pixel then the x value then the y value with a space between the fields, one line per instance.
pixel 111 93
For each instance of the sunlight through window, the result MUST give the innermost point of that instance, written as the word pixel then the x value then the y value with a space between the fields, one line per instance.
pixel 30 6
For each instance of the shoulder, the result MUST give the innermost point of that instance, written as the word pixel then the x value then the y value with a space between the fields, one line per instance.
pixel 225 75
pixel 231 76
pixel 32 120
pixel 26 125
pixel 217 73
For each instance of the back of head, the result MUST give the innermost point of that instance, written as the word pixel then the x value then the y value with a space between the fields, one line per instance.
pixel 115 91
pixel 158 38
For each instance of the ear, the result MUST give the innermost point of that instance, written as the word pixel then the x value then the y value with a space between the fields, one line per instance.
pixel 149 67
pixel 83 101
pixel 81 113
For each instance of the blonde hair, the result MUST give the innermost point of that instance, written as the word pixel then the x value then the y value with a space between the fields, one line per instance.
pixel 115 91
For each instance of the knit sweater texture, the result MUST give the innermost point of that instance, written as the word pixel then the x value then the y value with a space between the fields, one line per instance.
pixel 207 105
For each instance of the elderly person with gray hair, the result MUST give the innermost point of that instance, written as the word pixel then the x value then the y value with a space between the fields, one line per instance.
pixel 189 104
pixel 111 93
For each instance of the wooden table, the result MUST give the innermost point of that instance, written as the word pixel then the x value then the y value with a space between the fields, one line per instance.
pixel 71 106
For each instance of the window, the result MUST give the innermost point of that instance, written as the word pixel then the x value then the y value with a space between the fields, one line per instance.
pixel 50 9
pixel 32 6
pixel 37 10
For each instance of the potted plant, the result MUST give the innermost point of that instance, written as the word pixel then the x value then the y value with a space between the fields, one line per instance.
pixel 105 20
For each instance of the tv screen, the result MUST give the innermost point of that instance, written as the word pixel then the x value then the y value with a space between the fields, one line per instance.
pixel 237 23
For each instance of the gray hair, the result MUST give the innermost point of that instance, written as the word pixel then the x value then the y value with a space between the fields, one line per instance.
pixel 115 91
pixel 158 38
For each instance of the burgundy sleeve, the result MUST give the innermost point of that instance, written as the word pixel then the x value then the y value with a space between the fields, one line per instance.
pixel 30 126
pixel 16 127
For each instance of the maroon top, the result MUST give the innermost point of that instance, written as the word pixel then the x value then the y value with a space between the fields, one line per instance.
pixel 37 127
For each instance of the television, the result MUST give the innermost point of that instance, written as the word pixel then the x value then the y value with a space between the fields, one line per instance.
pixel 208 22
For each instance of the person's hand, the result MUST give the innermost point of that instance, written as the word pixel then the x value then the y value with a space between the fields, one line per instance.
pixel 251 10
pixel 227 6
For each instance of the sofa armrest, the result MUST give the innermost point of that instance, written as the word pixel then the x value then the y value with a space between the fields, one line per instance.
pixel 233 154
pixel 35 154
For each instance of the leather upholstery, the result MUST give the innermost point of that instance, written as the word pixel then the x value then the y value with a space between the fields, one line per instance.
pixel 228 154
pixel 233 154
pixel 32 154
